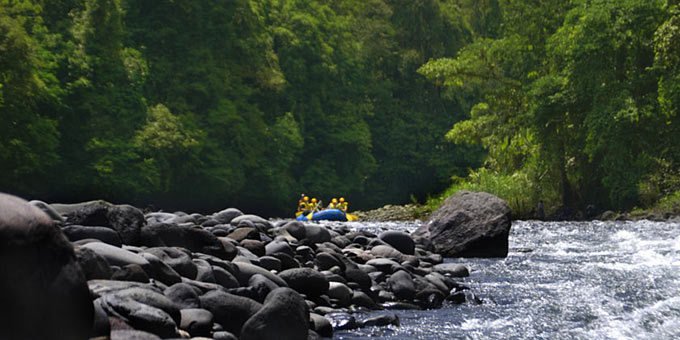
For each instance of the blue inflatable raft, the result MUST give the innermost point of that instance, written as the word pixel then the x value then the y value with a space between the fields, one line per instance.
pixel 326 214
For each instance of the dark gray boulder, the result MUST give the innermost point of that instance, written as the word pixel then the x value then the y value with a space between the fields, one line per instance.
pixel 183 295
pixel 194 238
pixel 279 247
pixel 138 315
pixel 94 266
pixel 284 316
pixel 452 269
pixel 399 240
pixel 116 256
pixel 131 334
pixel 246 270
pixel 230 311
pixel 160 271
pixel 243 233
pixel 131 272
pixel 177 258
pixel 125 219
pixel 227 215
pixel 305 281
pixel 401 284
pixel 321 325
pixel 316 234
pixel 43 291
pixel 252 220
pixel 468 224
pixel 104 234
pixel 197 321
pixel 153 299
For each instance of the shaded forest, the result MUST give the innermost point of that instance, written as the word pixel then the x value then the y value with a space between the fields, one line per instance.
pixel 200 105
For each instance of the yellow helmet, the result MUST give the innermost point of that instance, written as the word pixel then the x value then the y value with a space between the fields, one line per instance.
pixel 335 200
pixel 306 199
pixel 342 199
pixel 313 200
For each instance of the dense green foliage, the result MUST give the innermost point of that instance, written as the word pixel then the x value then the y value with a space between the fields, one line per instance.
pixel 579 97
pixel 205 104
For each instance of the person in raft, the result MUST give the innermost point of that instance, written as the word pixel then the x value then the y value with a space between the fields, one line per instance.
pixel 342 204
pixel 333 204
pixel 315 205
pixel 304 206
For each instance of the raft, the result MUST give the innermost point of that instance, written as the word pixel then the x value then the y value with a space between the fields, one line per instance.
pixel 328 215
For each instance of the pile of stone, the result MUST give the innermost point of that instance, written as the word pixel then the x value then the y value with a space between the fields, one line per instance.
pixel 101 270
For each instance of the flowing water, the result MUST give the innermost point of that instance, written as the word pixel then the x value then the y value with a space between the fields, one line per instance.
pixel 566 280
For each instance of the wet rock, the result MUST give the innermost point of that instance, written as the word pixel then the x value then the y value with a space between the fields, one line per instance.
pixel 197 321
pixel 43 291
pixel 177 258
pixel 103 234
pixel 279 247
pixel 131 272
pixel 224 278
pixel 399 240
pixel 140 316
pixel 316 234
pixel 283 316
pixel 230 311
pixel 321 325
pixel 94 266
pixel 151 298
pixel 380 320
pixel 48 210
pixel 131 334
pixel 246 270
pixel 387 252
pixel 401 284
pixel 116 256
pixel 227 215
pixel 184 295
pixel 240 234
pixel 342 321
pixel 340 292
pixel 125 219
pixel 361 299
pixel 325 261
pixel 270 263
pixel 305 281
pixel 254 246
pixel 193 238
pixel 469 224
pixel 357 276
pixel 160 271
pixel 262 285
pixel 204 271
pixel 260 223
pixel 100 288
pixel 452 269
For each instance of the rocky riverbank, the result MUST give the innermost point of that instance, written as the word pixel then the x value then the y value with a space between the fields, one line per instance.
pixel 227 275
pixel 408 212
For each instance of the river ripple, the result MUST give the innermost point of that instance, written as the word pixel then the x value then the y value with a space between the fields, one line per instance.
pixel 561 280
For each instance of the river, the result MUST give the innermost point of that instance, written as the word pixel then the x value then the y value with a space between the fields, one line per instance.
pixel 561 280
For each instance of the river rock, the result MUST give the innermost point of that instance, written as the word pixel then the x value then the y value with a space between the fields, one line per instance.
pixel 380 320
pixel 177 258
pixel 452 269
pixel 401 284
pixel 43 292
pixel 197 321
pixel 305 281
pixel 258 222
pixel 321 325
pixel 138 315
pixel 131 272
pixel 94 266
pixel 468 224
pixel 116 256
pixel 151 298
pixel 160 271
pixel 399 240
pixel 247 270
pixel 230 311
pixel 184 295
pixel 243 233
pixel 125 219
pixel 103 234
pixel 47 209
pixel 227 215
pixel 316 234
pixel 340 292
pixel 131 334
pixel 284 316
pixel 194 238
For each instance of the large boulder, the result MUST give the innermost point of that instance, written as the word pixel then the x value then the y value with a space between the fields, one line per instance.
pixel 43 292
pixel 284 316
pixel 399 240
pixel 125 219
pixel 468 224
pixel 230 311
pixel 104 234
pixel 194 238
